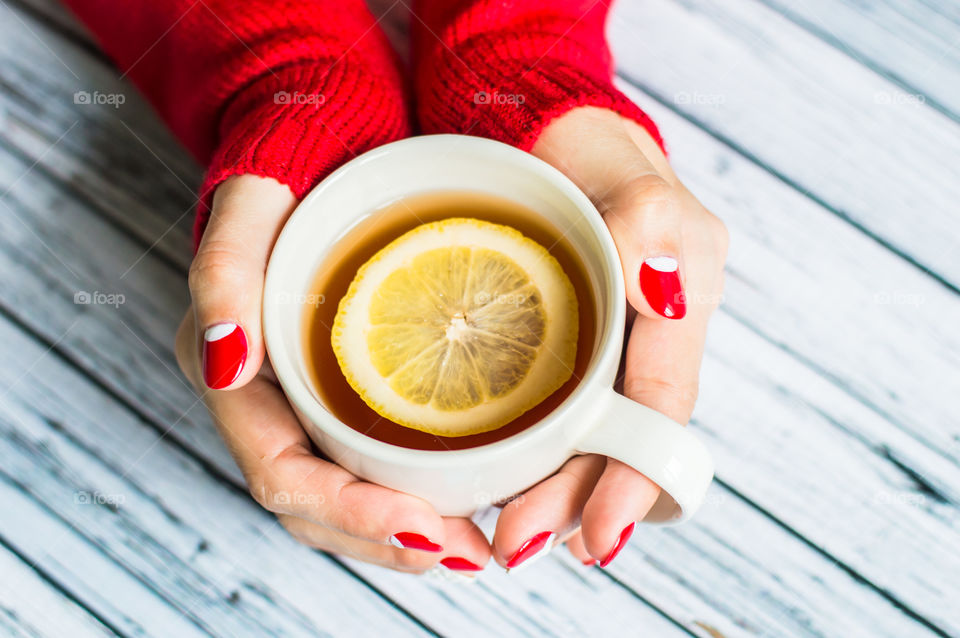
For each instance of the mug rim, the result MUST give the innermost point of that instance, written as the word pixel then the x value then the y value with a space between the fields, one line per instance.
pixel 296 388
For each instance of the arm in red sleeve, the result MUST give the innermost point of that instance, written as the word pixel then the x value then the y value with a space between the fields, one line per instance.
pixel 504 68
pixel 276 88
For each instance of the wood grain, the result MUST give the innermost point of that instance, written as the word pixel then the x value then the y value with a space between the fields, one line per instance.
pixel 812 115
pixel 31 606
pixel 912 42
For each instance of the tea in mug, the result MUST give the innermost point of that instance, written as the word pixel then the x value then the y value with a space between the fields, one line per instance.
pixel 460 212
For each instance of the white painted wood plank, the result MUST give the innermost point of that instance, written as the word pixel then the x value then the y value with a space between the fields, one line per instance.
pixel 800 423
pixel 802 107
pixel 730 541
pixel 120 159
pixel 210 555
pixel 80 566
pixel 41 278
pixel 912 41
pixel 30 606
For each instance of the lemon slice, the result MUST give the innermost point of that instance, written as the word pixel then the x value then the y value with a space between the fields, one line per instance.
pixel 457 327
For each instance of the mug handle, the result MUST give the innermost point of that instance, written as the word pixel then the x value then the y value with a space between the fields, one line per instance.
pixel 658 447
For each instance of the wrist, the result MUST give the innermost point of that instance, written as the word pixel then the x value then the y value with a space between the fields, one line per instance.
pixel 300 123
pixel 595 145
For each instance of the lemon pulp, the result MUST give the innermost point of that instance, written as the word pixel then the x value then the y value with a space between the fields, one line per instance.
pixel 457 327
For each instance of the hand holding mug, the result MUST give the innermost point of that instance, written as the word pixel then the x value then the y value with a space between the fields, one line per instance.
pixel 318 502
pixel 593 501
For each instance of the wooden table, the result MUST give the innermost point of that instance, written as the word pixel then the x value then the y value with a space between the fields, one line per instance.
pixel 824 132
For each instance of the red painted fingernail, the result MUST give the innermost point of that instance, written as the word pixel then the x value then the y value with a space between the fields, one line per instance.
pixel 660 285
pixel 621 541
pixel 409 540
pixel 460 564
pixel 590 563
pixel 533 548
pixel 224 353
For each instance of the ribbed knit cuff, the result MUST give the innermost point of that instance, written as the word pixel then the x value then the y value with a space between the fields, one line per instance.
pixel 300 123
pixel 505 70
pixel 516 108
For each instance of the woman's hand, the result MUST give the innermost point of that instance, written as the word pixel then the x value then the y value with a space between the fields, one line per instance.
pixel 318 502
pixel 672 251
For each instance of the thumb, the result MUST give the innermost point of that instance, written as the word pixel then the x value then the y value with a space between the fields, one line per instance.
pixel 643 215
pixel 226 276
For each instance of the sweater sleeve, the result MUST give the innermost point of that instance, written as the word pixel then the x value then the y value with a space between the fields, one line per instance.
pixel 504 68
pixel 288 89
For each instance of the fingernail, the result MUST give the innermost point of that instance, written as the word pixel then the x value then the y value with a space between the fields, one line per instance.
pixel 224 353
pixel 621 541
pixel 460 564
pixel 531 550
pixel 590 563
pixel 409 540
pixel 660 285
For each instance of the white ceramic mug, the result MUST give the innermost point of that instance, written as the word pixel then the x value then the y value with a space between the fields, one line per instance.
pixel 593 419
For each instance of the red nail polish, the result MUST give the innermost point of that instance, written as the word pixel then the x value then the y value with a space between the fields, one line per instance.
pixel 409 540
pixel 533 547
pixel 590 563
pixel 621 541
pixel 660 285
pixel 460 564
pixel 224 353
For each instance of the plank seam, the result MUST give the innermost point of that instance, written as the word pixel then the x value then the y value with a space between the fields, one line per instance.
pixel 39 17
pixel 850 392
pixel 59 587
pixel 836 43
pixel 853 573
pixel 77 195
pixel 783 178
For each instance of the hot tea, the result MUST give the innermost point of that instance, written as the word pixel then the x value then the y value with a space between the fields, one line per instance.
pixel 370 236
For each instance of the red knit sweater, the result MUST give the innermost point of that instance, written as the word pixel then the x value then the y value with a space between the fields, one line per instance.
pixel 291 89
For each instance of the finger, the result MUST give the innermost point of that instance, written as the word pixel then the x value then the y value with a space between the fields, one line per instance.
pixel 662 372
pixel 643 215
pixel 621 497
pixel 274 454
pixel 662 364
pixel 285 476
pixel 465 549
pixel 330 540
pixel 226 277
pixel 638 200
pixel 468 551
pixel 531 524
pixel 576 547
